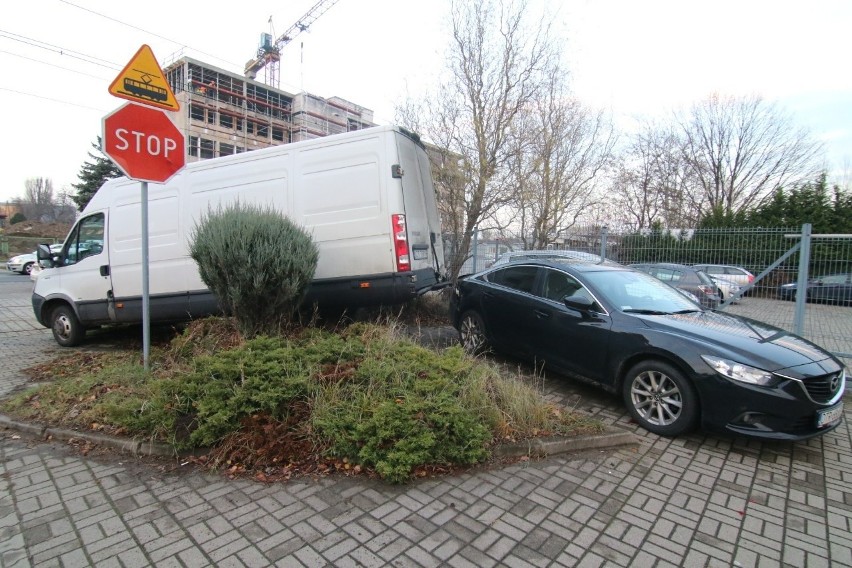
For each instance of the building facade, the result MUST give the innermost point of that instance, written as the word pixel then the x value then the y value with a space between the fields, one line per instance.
pixel 224 113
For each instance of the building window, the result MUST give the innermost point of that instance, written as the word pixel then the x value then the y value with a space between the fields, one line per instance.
pixel 249 127
pixel 240 149
pixel 192 146
pixel 196 112
pixel 262 130
pixel 226 120
pixel 207 147
pixel 240 124
pixel 278 134
pixel 211 116
pixel 225 149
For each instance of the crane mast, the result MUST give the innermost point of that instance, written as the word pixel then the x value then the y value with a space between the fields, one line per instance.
pixel 269 52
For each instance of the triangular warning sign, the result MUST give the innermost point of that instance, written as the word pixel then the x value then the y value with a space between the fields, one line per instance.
pixel 142 81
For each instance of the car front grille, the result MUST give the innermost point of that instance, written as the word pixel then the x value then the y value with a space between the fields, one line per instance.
pixel 823 389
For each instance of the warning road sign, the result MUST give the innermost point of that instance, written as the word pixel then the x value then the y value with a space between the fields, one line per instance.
pixel 143 81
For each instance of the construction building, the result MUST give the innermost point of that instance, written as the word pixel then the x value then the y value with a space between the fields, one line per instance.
pixel 224 113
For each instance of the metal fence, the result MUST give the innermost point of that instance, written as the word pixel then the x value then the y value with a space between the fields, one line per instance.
pixel 14 245
pixel 773 256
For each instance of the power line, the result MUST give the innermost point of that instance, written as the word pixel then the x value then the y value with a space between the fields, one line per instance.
pixel 180 43
pixel 52 65
pixel 102 111
pixel 60 50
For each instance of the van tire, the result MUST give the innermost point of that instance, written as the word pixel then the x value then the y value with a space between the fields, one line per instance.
pixel 67 329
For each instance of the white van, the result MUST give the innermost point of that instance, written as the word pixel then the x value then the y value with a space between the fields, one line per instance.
pixel 365 197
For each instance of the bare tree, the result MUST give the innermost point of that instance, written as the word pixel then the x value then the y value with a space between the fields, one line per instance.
pixel 37 203
pixel 741 149
pixel 495 63
pixel 566 146
pixel 652 180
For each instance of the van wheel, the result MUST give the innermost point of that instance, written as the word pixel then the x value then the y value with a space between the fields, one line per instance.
pixel 660 399
pixel 67 330
pixel 472 333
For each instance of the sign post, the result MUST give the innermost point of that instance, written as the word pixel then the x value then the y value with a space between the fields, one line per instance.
pixel 145 144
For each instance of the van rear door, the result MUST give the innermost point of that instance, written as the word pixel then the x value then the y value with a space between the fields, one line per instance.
pixel 422 220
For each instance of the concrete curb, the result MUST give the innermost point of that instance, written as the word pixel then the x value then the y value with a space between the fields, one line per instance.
pixel 126 445
pixel 540 447
pixel 537 447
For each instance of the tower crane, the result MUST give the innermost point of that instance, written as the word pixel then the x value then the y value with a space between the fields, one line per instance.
pixel 269 52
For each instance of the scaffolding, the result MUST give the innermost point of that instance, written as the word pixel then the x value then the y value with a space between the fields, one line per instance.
pixel 223 113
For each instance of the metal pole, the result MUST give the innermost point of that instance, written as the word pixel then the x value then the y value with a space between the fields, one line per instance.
pixel 475 247
pixel 802 282
pixel 146 327
pixel 603 241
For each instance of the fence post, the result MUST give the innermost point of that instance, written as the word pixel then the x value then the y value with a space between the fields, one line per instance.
pixel 802 281
pixel 475 246
pixel 603 240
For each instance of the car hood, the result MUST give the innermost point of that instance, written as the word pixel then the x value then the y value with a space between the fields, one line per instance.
pixel 748 341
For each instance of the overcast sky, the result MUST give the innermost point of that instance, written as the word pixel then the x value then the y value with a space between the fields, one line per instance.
pixel 634 58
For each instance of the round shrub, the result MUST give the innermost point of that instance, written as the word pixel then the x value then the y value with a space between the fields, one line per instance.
pixel 256 261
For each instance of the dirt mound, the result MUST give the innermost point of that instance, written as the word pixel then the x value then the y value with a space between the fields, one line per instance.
pixel 37 229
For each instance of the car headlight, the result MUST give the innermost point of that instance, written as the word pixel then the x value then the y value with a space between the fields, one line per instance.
pixel 738 371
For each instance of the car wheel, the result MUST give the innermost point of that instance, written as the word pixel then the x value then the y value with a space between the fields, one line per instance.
pixel 660 398
pixel 472 333
pixel 67 329
pixel 28 268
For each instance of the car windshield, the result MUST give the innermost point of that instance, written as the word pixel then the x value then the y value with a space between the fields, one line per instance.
pixel 637 292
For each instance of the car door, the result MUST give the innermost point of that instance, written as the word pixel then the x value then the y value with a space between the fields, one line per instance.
pixel 508 307
pixel 569 340
pixel 829 288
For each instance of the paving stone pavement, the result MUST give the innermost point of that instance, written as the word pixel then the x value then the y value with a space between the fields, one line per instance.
pixel 697 500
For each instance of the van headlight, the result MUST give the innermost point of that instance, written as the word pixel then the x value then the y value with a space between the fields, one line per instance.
pixel 738 371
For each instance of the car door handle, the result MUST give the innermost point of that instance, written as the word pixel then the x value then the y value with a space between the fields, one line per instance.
pixel 105 270
pixel 542 314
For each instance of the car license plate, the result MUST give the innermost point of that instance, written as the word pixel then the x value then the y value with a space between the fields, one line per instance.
pixel 829 416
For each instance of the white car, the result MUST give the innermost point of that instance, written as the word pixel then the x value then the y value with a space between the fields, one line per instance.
pixel 726 287
pixel 22 263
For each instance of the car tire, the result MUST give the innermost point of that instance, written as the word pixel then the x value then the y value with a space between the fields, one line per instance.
pixel 67 329
pixel 660 398
pixel 28 268
pixel 472 333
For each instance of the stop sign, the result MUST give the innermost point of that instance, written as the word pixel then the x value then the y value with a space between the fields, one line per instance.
pixel 143 143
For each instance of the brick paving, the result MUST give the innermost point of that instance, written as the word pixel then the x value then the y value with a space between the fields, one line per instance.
pixel 697 500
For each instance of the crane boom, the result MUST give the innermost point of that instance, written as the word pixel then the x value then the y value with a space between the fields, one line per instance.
pixel 269 53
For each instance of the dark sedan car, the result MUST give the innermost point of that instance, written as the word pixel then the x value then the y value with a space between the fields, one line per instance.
pixel 675 364
pixel 834 288
pixel 686 278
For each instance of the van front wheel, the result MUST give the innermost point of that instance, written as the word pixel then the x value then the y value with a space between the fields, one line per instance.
pixel 67 330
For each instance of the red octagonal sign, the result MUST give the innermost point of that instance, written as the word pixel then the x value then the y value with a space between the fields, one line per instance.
pixel 143 143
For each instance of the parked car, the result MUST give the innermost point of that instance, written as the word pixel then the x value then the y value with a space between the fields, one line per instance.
pixel 727 288
pixel 676 365
pixel 25 263
pixel 685 278
pixel 834 288
pixel 22 263
pixel 735 274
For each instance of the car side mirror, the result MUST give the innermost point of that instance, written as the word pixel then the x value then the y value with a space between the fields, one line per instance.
pixel 581 303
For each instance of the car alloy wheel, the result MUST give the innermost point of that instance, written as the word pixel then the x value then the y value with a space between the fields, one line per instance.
pixel 660 399
pixel 472 333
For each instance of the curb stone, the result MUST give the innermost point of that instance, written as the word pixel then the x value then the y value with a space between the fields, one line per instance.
pixel 126 445
pixel 537 447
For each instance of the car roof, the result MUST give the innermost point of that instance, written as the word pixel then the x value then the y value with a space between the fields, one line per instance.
pixel 663 265
pixel 565 262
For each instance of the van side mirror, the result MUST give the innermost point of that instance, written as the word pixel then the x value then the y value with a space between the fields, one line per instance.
pixel 44 255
